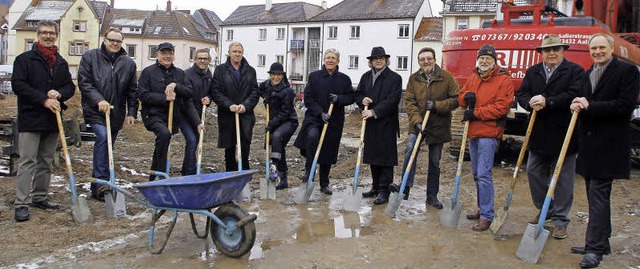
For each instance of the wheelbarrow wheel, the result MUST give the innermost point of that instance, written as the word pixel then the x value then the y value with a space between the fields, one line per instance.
pixel 234 243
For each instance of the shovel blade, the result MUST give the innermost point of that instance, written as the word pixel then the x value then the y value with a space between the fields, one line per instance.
pixel 393 205
pixel 450 213
pixel 498 220
pixel 80 211
pixel 305 191
pixel 352 200
pixel 271 189
pixel 531 245
pixel 264 188
pixel 115 205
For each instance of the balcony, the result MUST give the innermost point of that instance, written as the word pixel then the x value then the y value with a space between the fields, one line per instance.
pixel 297 44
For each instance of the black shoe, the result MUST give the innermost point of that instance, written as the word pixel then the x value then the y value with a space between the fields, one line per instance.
pixel 22 214
pixel 581 251
pixel 395 188
pixel 283 184
pixel 44 204
pixel 371 193
pixel 590 260
pixel 382 198
pixel 434 202
pixel 326 190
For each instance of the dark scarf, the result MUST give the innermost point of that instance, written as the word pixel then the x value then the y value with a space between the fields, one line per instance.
pixel 48 53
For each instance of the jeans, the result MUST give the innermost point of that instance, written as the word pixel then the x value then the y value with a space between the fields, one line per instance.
pixel 313 139
pixel 482 151
pixel 191 143
pixel 279 139
pixel 433 176
pixel 540 170
pixel 101 154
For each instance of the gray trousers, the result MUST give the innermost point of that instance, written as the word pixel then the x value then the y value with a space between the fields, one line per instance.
pixel 34 170
pixel 540 170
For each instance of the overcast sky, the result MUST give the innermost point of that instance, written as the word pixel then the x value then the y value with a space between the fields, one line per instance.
pixel 223 8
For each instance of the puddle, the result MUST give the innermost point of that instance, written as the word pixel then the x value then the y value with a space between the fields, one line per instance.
pixel 343 225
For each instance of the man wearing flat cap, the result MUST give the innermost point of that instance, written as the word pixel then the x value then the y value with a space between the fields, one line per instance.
pixel 548 88
pixel 161 84
pixel 487 97
pixel 380 89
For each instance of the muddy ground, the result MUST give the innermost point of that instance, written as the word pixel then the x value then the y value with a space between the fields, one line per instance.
pixel 317 235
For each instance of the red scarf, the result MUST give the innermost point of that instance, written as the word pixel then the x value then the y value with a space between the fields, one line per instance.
pixel 49 53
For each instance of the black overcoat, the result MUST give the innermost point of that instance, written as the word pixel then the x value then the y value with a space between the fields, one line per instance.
pixel 552 122
pixel 316 99
pixel 280 100
pixel 381 133
pixel 200 83
pixel 227 90
pixel 605 135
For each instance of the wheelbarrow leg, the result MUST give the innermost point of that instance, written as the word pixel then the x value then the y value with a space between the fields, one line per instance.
pixel 195 229
pixel 154 219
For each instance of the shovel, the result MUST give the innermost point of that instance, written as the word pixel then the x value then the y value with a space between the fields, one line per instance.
pixel 198 166
pixel 354 197
pixel 79 208
pixel 535 236
pixel 170 127
pixel 245 195
pixel 502 213
pixel 267 186
pixel 306 189
pixel 114 202
pixel 452 208
pixel 395 198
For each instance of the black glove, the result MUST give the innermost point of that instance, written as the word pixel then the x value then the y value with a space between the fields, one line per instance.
pixel 418 127
pixel 267 129
pixel 430 105
pixel 468 115
pixel 326 117
pixel 333 98
pixel 470 99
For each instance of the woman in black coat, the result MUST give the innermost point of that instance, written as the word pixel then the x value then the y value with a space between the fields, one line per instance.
pixel 283 120
pixel 324 87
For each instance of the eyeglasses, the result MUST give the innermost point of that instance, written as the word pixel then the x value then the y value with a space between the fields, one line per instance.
pixel 47 33
pixel 114 41
pixel 426 59
pixel 202 59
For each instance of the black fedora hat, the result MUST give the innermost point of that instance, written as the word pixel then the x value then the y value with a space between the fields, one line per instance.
pixel 276 68
pixel 378 52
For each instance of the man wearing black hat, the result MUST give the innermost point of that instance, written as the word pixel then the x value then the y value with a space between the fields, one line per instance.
pixel 158 86
pixel 487 96
pixel 283 120
pixel 380 89
pixel 548 88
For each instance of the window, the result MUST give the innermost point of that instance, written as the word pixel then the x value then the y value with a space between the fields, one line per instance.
pixel 73 69
pixel 403 62
pixel 32 23
pixel 355 32
pixel 261 59
pixel 157 30
pixel 403 31
pixel 28 44
pixel 229 35
pixel 280 59
pixel 192 53
pixel 333 32
pixel 79 26
pixel 131 51
pixel 78 47
pixel 262 34
pixel 353 61
pixel 280 35
pixel 152 51
pixel 462 23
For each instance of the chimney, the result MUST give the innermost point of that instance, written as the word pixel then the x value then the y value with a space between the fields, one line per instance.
pixel 324 4
pixel 168 5
pixel 268 5
pixel 113 2
pixel 35 2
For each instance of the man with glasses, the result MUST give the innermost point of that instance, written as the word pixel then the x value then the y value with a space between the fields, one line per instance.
pixel 198 77
pixel 99 94
pixel 548 88
pixel 430 88
pixel 42 82
pixel 159 85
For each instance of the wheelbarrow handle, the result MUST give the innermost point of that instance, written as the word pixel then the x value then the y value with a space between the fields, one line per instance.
pixel 123 191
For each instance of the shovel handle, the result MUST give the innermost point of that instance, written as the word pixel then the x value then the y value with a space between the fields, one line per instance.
pixel 112 173
pixel 405 176
pixel 360 148
pixel 523 150
pixel 238 145
pixel 266 143
pixel 463 145
pixel 312 172
pixel 170 127
pixel 200 140
pixel 67 159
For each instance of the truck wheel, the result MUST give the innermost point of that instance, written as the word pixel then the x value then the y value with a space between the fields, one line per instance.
pixel 238 242
pixel 457 129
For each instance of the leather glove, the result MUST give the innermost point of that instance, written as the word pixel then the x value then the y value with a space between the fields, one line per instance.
pixel 326 117
pixel 470 99
pixel 418 127
pixel 333 98
pixel 468 115
pixel 431 105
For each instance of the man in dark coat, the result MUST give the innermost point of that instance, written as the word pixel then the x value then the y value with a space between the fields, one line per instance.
pixel 608 98
pixel 434 89
pixel 324 87
pixel 198 78
pixel 235 90
pixel 42 81
pixel 107 77
pixel 548 88
pixel 159 84
pixel 381 90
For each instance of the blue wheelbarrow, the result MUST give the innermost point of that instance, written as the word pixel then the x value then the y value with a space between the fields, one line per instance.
pixel 232 230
